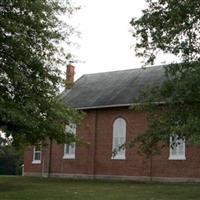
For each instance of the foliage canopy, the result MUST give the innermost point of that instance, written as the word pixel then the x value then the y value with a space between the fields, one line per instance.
pixel 172 27
pixel 30 33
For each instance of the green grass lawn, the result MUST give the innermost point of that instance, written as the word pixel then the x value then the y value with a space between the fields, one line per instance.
pixel 21 188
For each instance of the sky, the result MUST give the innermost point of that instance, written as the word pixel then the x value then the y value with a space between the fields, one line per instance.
pixel 106 42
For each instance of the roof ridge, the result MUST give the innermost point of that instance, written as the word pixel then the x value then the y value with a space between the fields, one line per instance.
pixel 121 70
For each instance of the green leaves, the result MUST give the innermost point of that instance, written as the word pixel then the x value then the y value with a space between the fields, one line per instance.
pixel 29 77
pixel 168 26
pixel 172 27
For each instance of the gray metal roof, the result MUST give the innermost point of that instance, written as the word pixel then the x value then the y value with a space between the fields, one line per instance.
pixel 112 89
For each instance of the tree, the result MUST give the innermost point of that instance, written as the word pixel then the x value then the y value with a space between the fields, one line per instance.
pixel 11 159
pixel 30 34
pixel 172 27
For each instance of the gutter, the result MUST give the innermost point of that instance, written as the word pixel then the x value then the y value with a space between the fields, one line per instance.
pixel 119 105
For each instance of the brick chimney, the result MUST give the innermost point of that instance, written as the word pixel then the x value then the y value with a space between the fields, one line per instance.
pixel 69 76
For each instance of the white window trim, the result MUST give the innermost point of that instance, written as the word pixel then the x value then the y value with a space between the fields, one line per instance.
pixel 118 156
pixel 176 157
pixel 70 156
pixel 36 161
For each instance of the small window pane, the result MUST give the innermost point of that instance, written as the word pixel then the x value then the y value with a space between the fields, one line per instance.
pixel 67 147
pixel 37 155
pixel 181 147
pixel 173 151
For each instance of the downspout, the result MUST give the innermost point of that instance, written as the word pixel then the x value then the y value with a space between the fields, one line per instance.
pixel 151 167
pixel 94 146
pixel 50 154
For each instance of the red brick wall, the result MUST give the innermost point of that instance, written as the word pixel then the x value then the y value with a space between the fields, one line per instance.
pixel 134 164
pixel 95 158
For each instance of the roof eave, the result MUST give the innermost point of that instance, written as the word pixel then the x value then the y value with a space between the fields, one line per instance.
pixel 118 105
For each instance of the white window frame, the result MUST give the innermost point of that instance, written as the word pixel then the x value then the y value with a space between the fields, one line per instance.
pixel 36 161
pixel 119 135
pixel 176 148
pixel 70 128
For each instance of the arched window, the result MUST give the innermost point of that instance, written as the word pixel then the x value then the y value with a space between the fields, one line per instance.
pixel 177 148
pixel 119 137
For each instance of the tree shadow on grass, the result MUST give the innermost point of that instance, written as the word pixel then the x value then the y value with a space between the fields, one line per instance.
pixel 7 187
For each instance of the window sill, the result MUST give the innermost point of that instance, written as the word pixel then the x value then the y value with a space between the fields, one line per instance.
pixel 118 158
pixel 69 157
pixel 36 162
pixel 177 158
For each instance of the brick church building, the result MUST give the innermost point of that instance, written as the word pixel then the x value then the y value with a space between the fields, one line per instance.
pixel 106 99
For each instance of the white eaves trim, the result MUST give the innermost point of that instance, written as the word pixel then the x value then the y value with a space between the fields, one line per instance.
pixel 119 105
